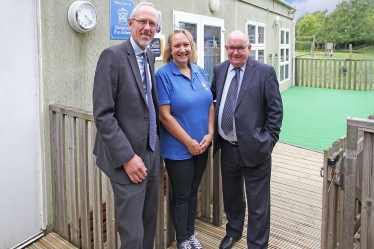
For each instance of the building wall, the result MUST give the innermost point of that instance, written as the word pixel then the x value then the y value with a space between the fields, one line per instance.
pixel 69 58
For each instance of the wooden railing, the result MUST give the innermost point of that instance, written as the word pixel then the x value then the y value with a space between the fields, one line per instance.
pixel 348 188
pixel 83 203
pixel 345 74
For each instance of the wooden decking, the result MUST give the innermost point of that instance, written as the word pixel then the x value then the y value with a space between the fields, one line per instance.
pixel 51 241
pixel 296 203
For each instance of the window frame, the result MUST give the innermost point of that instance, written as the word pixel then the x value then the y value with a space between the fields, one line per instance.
pixel 284 54
pixel 257 46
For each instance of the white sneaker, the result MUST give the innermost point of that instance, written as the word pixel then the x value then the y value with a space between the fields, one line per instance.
pixel 194 243
pixel 184 245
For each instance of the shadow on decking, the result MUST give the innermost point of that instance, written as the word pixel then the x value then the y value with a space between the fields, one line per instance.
pixel 296 203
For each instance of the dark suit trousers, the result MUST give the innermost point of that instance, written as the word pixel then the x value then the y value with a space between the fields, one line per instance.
pixel 257 184
pixel 136 206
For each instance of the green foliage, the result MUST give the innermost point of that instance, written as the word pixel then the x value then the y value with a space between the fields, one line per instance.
pixel 310 24
pixel 303 45
pixel 352 21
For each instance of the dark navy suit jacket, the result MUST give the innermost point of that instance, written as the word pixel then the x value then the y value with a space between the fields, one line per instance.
pixel 258 114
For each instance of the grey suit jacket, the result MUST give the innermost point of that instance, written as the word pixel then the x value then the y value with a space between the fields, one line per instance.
pixel 120 110
pixel 258 114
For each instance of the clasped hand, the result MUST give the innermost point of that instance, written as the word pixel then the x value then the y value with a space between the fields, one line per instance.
pixel 196 148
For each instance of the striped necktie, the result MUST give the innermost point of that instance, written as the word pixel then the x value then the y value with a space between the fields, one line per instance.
pixel 151 107
pixel 227 122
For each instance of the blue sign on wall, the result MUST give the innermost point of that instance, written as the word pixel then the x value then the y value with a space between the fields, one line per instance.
pixel 155 46
pixel 120 11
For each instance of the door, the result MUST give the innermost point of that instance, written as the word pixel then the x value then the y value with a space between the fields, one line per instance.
pixel 208 37
pixel 21 171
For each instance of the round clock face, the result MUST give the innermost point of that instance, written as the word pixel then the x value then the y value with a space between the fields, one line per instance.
pixel 82 16
pixel 86 16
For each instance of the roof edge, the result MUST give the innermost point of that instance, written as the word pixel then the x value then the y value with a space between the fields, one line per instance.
pixel 286 4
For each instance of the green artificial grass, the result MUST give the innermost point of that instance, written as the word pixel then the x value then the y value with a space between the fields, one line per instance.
pixel 314 118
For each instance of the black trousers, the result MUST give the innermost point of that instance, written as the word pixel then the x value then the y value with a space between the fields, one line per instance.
pixel 257 188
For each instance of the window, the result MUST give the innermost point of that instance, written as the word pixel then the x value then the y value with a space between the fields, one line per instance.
pixel 256 36
pixel 284 51
pixel 207 35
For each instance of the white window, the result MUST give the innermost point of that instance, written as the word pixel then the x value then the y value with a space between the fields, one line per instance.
pixel 256 36
pixel 284 52
pixel 207 33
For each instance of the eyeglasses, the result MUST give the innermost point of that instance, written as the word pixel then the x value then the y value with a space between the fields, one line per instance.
pixel 144 22
pixel 239 49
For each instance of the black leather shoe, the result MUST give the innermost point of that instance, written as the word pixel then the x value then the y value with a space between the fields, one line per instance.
pixel 228 242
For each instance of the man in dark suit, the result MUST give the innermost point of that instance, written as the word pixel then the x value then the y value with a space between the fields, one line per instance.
pixel 125 108
pixel 248 117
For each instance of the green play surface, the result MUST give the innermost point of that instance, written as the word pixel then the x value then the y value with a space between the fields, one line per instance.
pixel 316 117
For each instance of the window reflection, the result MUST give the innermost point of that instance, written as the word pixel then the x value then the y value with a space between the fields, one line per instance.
pixel 252 33
pixel 261 35
pixel 281 73
pixel 286 71
pixel 287 54
pixel 212 49
pixel 192 28
pixel 282 55
pixel 261 55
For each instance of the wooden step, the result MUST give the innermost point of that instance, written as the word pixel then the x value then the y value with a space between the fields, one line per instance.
pixel 51 241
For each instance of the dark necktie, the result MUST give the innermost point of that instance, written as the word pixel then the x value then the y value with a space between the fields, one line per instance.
pixel 230 104
pixel 151 107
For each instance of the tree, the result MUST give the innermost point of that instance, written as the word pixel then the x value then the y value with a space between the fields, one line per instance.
pixel 352 21
pixel 310 24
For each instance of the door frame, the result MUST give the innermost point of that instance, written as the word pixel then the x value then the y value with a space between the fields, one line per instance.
pixel 201 21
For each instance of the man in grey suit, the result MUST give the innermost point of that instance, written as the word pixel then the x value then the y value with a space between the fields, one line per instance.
pixel 248 117
pixel 125 108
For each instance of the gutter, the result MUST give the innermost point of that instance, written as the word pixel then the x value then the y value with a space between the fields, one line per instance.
pixel 271 11
pixel 286 4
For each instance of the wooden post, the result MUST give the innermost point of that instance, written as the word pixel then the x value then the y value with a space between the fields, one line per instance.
pixel 170 231
pixel 206 189
pixel 84 185
pixel 325 201
pixel 159 238
pixel 217 190
pixel 97 208
pixel 349 189
pixel 111 226
pixel 367 221
pixel 73 177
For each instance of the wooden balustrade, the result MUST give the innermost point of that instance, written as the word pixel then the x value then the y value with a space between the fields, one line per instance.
pixel 345 74
pixel 348 195
pixel 83 202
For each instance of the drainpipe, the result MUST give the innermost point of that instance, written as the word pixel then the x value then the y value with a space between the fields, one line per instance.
pixel 293 45
pixel 40 120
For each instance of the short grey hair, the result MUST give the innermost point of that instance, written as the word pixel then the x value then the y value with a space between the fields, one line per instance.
pixel 136 9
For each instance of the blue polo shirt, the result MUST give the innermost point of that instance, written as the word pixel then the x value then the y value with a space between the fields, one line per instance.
pixel 189 101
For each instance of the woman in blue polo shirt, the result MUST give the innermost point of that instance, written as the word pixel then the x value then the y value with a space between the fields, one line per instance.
pixel 187 125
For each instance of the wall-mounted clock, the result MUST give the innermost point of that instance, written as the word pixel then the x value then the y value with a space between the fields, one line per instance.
pixel 82 16
pixel 214 5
